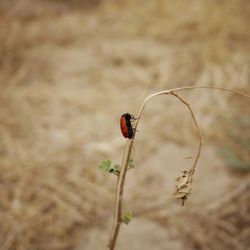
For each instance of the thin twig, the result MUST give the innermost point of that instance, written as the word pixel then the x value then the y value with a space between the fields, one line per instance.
pixel 119 194
pixel 127 153
pixel 183 188
pixel 197 127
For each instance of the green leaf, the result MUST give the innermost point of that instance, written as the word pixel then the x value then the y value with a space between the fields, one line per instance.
pixel 127 218
pixel 114 169
pixel 131 164
pixel 107 166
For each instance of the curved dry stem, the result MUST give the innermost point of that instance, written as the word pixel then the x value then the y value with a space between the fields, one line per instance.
pixel 184 182
pixel 128 149
pixel 197 128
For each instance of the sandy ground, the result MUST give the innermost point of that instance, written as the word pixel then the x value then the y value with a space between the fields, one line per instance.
pixel 61 111
pixel 156 199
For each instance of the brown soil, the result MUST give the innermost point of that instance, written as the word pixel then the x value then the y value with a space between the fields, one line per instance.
pixel 68 73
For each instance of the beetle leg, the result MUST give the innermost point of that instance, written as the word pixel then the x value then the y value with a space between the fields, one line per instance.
pixel 135 130
pixel 135 118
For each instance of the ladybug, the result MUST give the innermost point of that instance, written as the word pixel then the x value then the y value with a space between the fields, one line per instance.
pixel 126 127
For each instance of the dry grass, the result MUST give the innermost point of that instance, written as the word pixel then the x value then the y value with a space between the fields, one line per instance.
pixel 66 74
pixel 223 225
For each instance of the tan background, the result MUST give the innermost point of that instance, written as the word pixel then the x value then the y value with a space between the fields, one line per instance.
pixel 69 69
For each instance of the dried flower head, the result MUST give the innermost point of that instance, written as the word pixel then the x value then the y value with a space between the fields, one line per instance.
pixel 184 185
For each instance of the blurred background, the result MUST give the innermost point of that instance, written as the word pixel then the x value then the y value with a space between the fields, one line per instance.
pixel 69 69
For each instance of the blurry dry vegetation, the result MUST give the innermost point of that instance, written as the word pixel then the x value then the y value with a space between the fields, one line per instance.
pixel 67 71
pixel 225 223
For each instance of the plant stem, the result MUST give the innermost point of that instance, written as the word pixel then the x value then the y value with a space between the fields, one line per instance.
pixel 119 195
pixel 128 149
pixel 197 128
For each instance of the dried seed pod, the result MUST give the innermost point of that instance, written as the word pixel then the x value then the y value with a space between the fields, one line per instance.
pixel 184 185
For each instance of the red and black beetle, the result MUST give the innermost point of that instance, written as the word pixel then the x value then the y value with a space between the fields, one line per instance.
pixel 126 126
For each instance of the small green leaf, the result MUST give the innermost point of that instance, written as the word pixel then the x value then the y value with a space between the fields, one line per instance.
pixel 127 218
pixel 105 165
pixel 131 164
pixel 114 169
pixel 109 167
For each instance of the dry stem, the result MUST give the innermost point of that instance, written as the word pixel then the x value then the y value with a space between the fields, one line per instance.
pixel 185 188
pixel 128 149
pixel 197 127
